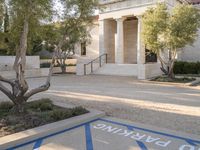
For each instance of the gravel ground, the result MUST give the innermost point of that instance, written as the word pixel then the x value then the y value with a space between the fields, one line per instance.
pixel 175 107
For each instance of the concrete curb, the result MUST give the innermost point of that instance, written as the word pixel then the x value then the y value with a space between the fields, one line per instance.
pixel 32 134
pixel 192 83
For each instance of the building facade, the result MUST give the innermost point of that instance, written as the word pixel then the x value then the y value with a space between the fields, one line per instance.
pixel 118 35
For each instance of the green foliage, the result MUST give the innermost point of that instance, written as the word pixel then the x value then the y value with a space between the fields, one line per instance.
pixel 78 110
pixel 41 105
pixel 175 80
pixel 163 29
pixel 182 67
pixel 63 114
pixel 154 27
pixel 183 26
pixel 37 12
pixel 6 106
pixel 38 113
pixel 169 31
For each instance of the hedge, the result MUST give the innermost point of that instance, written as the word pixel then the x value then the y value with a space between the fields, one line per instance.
pixel 182 67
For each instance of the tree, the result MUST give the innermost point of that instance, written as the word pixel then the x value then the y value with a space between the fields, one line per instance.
pixel 166 32
pixel 75 27
pixel 24 13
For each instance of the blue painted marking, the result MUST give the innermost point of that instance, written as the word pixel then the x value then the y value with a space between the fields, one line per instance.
pixel 51 135
pixel 141 145
pixel 37 144
pixel 151 131
pixel 191 142
pixel 88 137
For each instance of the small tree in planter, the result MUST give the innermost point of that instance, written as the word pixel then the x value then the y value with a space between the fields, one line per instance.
pixel 166 32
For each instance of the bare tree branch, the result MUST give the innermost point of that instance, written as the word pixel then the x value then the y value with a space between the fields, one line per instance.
pixel 6 91
pixel 11 82
pixel 44 87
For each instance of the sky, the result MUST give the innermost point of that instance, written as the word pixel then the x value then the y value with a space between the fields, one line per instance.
pixel 59 8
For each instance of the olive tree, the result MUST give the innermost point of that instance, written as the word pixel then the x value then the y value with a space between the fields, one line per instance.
pixel 25 14
pixel 167 32
pixel 78 17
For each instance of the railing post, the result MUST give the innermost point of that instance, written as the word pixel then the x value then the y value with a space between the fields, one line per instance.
pixel 106 58
pixel 92 67
pixel 85 69
pixel 100 61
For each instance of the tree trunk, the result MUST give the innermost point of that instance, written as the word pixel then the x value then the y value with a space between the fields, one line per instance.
pixel 171 70
pixel 172 55
pixel 19 93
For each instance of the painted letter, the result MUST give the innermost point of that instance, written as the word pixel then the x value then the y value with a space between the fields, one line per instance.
pixel 117 131
pixel 138 136
pixel 109 129
pixel 187 147
pixel 99 126
pixel 150 139
pixel 126 133
pixel 162 143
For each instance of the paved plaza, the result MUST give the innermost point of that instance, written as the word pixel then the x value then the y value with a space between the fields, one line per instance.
pixel 172 107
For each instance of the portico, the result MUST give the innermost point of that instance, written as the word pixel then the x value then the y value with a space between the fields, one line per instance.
pixel 119 30
pixel 120 38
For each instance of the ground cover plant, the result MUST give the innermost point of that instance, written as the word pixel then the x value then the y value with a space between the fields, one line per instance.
pixel 37 113
pixel 174 80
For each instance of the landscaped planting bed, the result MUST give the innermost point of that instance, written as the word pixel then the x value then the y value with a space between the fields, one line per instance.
pixel 37 113
pixel 175 80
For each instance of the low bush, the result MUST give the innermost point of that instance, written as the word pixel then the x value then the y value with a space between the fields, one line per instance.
pixel 6 106
pixel 48 64
pixel 38 113
pixel 42 105
pixel 182 67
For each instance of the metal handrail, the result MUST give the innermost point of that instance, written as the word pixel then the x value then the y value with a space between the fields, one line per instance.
pixel 91 63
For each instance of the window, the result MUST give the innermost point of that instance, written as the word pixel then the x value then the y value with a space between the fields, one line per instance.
pixel 83 49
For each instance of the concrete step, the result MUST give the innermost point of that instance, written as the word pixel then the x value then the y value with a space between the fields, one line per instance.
pixel 118 69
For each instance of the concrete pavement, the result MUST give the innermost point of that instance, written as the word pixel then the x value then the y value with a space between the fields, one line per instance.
pixel 113 134
pixel 173 107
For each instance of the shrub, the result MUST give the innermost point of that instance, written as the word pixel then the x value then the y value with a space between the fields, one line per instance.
pixel 181 67
pixel 45 65
pixel 79 110
pixel 41 105
pixel 6 106
pixel 60 114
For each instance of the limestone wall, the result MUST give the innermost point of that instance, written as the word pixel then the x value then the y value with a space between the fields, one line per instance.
pixel 92 49
pixel 191 53
pixel 6 62
pixel 110 31
pixel 130 42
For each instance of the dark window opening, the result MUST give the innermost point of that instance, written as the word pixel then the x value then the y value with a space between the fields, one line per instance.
pixel 83 49
pixel 150 56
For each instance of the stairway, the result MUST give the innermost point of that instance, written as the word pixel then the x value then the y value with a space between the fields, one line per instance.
pixel 118 69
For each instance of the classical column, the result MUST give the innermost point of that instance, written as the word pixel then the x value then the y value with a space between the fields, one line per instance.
pixel 140 52
pixel 119 41
pixel 102 49
pixel 140 46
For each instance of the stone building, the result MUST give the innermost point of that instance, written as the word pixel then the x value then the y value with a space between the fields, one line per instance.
pixel 117 37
